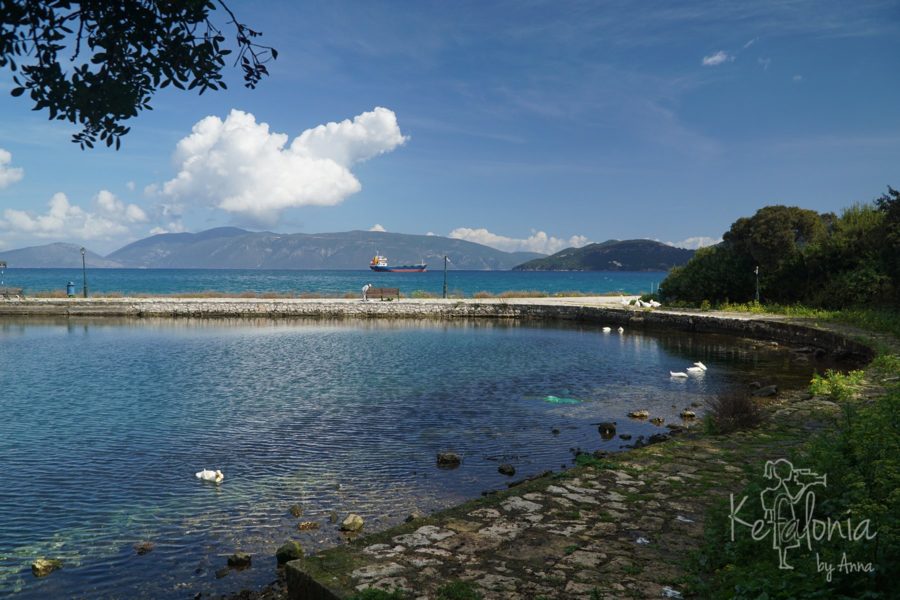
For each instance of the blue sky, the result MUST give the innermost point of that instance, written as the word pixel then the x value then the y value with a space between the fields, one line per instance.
pixel 527 125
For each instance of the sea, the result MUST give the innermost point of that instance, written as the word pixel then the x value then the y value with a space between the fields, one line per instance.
pixel 337 283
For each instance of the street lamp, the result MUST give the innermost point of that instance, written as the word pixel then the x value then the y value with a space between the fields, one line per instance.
pixel 83 271
pixel 445 275
pixel 756 271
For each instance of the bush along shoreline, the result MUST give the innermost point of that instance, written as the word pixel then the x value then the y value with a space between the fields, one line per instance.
pixel 790 255
pixel 824 521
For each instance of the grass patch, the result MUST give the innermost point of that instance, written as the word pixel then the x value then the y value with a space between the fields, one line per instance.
pixel 860 455
pixel 458 590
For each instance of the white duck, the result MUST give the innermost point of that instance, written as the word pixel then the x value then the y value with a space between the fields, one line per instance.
pixel 210 475
pixel 607 329
pixel 700 365
pixel 677 374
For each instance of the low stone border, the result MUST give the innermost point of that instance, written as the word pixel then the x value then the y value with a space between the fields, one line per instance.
pixel 599 310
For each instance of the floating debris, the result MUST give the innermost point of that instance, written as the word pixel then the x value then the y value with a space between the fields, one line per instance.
pixel 558 400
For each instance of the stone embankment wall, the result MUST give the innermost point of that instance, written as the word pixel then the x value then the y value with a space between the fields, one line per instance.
pixel 601 311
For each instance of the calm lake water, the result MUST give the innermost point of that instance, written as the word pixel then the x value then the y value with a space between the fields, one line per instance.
pixel 172 281
pixel 104 424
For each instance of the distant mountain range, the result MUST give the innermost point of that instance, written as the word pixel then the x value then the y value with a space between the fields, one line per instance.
pixel 56 255
pixel 233 248
pixel 612 255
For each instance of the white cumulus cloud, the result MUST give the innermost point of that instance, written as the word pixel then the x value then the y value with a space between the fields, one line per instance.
pixel 693 243
pixel 110 218
pixel 239 166
pixel 714 60
pixel 8 175
pixel 538 241
pixel 377 227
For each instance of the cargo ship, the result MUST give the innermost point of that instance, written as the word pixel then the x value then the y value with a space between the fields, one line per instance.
pixel 380 263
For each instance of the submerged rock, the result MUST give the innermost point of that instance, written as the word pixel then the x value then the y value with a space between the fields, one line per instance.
pixel 143 548
pixel 448 459
pixel 639 414
pixel 413 516
pixel 625 436
pixel 607 430
pixel 688 414
pixel 296 510
pixel 239 560
pixel 506 469
pixel 307 525
pixel 333 517
pixel 657 438
pixel 766 392
pixel 289 551
pixel 44 566
pixel 658 421
pixel 353 522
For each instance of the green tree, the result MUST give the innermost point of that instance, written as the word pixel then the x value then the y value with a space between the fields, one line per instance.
pixel 121 52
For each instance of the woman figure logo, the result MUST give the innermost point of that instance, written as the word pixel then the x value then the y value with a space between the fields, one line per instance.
pixel 780 502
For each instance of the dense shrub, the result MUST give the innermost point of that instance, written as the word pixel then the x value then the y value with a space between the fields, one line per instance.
pixel 820 260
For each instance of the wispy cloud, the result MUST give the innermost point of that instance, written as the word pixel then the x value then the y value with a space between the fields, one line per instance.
pixel 797 78
pixel 751 42
pixel 714 60
pixel 538 241
pixel 764 63
pixel 693 243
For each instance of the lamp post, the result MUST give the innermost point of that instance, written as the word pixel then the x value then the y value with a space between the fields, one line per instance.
pixel 445 275
pixel 756 271
pixel 83 271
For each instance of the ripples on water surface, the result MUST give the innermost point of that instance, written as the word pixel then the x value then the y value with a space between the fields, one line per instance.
pixel 105 422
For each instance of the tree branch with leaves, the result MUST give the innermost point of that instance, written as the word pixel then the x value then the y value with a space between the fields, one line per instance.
pixel 121 53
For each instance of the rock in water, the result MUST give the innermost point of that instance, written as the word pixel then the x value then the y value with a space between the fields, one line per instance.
pixel 506 469
pixel 143 548
pixel 766 392
pixel 289 551
pixel 639 414
pixel 688 414
pixel 239 560
pixel 296 510
pixel 307 525
pixel 607 430
pixel 448 459
pixel 658 421
pixel 413 516
pixel 44 566
pixel 352 523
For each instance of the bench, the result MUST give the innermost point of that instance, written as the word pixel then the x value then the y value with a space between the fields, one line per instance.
pixel 383 293
pixel 11 292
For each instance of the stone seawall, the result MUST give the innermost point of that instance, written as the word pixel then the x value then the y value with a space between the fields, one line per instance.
pixel 599 310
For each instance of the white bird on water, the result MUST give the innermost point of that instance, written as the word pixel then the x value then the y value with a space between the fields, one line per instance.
pixel 621 330
pixel 210 475
pixel 700 365
pixel 607 329
pixel 694 371
pixel 677 374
